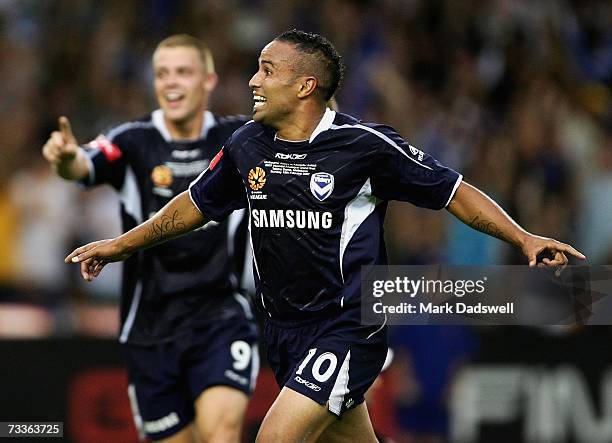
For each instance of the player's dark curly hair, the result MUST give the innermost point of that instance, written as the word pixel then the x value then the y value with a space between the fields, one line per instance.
pixel 325 62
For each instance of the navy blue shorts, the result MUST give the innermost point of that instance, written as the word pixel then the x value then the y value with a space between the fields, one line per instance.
pixel 332 361
pixel 166 378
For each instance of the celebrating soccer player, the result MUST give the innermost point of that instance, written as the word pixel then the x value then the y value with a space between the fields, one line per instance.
pixel 316 183
pixel 190 336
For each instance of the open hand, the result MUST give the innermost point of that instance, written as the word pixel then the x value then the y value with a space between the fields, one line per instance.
pixel 94 256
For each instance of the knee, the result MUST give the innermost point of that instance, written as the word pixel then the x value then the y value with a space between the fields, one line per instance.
pixel 221 432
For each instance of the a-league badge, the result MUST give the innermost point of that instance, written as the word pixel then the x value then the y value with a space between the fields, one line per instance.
pixel 321 185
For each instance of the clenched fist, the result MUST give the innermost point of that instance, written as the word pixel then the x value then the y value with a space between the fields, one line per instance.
pixel 62 145
pixel 62 151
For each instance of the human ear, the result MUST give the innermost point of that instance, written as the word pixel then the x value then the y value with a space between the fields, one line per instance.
pixel 308 85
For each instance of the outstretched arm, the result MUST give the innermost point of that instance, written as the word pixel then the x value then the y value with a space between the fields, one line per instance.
pixel 477 210
pixel 178 217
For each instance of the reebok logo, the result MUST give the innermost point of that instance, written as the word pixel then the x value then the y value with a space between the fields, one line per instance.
pixel 308 384
pixel 282 156
pixel 416 152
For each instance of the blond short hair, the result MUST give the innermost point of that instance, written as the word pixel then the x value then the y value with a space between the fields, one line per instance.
pixel 184 40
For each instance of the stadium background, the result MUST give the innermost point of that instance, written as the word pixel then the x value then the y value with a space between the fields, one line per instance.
pixel 515 94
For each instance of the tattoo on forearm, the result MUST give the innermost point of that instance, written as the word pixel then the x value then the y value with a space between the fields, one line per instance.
pixel 488 227
pixel 165 227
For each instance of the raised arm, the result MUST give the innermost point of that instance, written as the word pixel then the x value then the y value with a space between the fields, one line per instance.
pixel 477 210
pixel 64 153
pixel 178 217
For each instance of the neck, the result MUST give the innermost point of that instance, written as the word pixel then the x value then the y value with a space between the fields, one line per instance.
pixel 189 129
pixel 301 126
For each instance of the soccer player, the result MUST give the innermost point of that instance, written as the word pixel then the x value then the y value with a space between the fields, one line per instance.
pixel 190 337
pixel 316 183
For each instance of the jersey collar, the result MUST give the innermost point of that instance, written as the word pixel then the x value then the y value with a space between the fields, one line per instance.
pixel 157 117
pixel 324 124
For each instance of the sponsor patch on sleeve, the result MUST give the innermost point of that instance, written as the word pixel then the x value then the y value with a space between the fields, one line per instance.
pixel 110 150
pixel 215 160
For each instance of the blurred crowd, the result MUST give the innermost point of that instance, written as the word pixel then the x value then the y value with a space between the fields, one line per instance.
pixel 515 94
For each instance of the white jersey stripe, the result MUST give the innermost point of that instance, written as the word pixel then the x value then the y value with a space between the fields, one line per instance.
pixel 130 196
pixel 355 214
pixel 251 240
pixel 129 321
pixel 379 329
pixel 382 136
pixel 254 365
pixel 248 283
pixel 263 303
pixel 340 389
pixel 193 201
pixel 234 220
pixel 130 199
pixel 246 306
pixel 138 423
pixel 452 194
pixel 124 127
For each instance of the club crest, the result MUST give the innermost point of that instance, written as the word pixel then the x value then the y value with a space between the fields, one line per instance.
pixel 321 185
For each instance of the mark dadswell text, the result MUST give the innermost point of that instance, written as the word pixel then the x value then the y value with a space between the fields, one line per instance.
pixel 443 308
pixel 463 308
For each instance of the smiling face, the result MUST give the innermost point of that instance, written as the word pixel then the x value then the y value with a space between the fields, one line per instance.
pixel 275 85
pixel 182 84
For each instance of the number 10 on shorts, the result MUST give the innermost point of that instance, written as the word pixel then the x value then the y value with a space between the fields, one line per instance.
pixel 323 367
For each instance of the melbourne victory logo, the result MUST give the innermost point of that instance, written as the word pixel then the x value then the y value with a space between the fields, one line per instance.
pixel 256 178
pixel 321 185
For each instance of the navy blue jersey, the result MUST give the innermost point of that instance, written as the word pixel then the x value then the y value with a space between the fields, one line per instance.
pixel 317 206
pixel 172 287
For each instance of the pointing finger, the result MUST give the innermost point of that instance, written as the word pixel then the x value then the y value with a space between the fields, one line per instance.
pixel 66 129
pixel 81 254
pixel 570 250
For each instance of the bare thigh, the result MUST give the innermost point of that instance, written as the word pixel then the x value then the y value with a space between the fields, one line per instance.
pixel 354 427
pixel 219 414
pixel 293 418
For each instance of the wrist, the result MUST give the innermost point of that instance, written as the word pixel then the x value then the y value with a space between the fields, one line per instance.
pixel 122 245
pixel 521 238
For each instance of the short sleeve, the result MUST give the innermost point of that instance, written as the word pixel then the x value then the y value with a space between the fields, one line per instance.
pixel 408 174
pixel 219 190
pixel 107 163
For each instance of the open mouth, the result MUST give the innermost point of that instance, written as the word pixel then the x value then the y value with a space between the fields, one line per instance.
pixel 174 99
pixel 259 100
